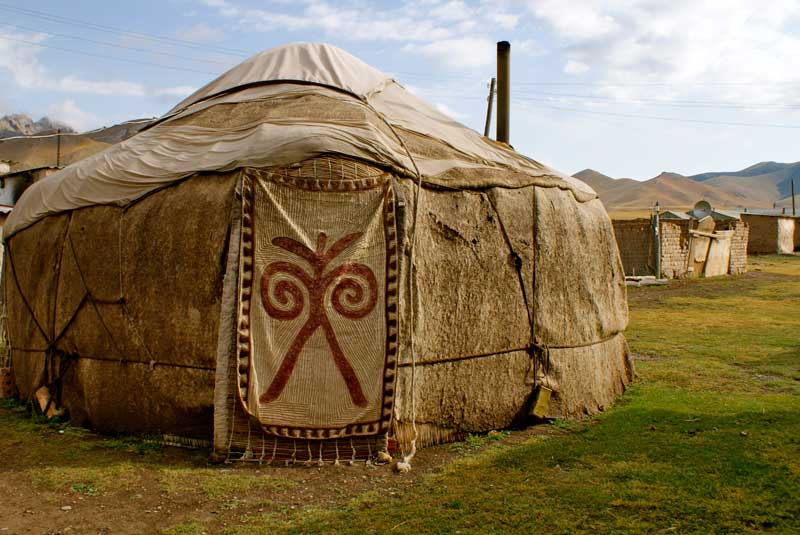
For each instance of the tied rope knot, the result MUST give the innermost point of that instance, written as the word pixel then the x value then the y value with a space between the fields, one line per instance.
pixel 539 353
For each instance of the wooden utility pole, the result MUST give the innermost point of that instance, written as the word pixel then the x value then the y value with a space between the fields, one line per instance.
pixel 503 90
pixel 489 108
pixel 794 212
pixel 58 147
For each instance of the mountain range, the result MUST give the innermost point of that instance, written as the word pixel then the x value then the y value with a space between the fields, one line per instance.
pixel 762 185
pixel 19 124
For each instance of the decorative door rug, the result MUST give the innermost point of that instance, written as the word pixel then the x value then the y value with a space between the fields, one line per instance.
pixel 317 333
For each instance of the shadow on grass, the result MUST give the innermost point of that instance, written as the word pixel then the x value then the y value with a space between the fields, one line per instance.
pixel 661 461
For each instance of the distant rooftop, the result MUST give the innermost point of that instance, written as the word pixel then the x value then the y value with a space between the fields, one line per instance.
pixel 674 214
pixel 716 215
pixel 785 211
pixel 29 169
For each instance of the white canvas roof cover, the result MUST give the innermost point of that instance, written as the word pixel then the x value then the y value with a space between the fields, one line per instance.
pixel 166 152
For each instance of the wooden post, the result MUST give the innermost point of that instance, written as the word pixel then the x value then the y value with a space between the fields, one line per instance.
pixel 794 212
pixel 503 90
pixel 58 147
pixel 489 108
pixel 657 234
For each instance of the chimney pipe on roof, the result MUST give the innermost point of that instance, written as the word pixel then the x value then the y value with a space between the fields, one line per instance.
pixel 503 90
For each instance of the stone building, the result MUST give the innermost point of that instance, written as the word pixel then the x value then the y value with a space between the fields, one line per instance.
pixel 772 233
pixel 636 239
pixel 12 184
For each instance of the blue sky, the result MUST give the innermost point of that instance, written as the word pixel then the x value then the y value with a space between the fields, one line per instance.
pixel 630 88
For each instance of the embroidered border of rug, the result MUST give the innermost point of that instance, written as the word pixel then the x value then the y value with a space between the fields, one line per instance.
pixel 317 331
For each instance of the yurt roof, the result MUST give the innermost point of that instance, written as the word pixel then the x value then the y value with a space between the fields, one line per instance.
pixel 174 148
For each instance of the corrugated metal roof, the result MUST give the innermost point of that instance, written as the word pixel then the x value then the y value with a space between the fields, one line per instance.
pixel 775 212
pixel 672 214
pixel 724 214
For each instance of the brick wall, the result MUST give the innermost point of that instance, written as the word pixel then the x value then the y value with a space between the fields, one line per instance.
pixel 674 248
pixel 636 247
pixel 739 240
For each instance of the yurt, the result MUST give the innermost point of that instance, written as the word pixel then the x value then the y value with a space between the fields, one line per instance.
pixel 304 261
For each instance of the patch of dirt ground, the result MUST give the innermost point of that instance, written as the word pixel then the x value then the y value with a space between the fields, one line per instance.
pixel 55 482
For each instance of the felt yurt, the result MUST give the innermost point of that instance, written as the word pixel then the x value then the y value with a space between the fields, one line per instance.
pixel 303 260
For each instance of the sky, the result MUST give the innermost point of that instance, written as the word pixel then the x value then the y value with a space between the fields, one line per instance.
pixel 630 88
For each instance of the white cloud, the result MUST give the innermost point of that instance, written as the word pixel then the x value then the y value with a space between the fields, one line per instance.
pixel 413 21
pixel 642 48
pixel 575 67
pixel 200 33
pixel 506 21
pixel 452 33
pixel 454 10
pixel 20 58
pixel 72 84
pixel 459 53
pixel 580 19
pixel 177 91
pixel 69 113
pixel 475 14
pixel 449 111
pixel 528 47
pixel 21 61
pixel 351 22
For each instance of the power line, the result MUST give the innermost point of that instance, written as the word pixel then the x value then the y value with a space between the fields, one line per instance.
pixel 700 104
pixel 556 83
pixel 524 97
pixel 680 103
pixel 112 29
pixel 103 56
pixel 439 76
pixel 657 84
pixel 106 43
pixel 674 119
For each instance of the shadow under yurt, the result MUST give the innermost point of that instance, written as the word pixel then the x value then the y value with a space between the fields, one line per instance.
pixel 301 261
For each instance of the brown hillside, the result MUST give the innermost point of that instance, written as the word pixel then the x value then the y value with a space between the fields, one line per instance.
pixel 41 151
pixel 766 187
pixel 118 132
pixel 672 191
pixel 600 182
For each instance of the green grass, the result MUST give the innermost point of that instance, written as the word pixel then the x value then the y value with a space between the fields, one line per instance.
pixel 706 441
pixel 220 484
pixel 187 528
pixel 88 480
pixel 473 442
